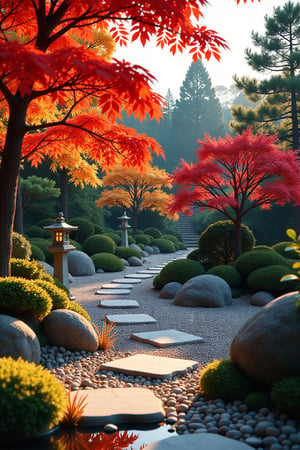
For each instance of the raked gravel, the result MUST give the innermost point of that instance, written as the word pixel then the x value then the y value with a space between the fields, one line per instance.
pixel 186 410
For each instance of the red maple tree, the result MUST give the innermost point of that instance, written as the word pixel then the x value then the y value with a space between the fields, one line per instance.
pixel 49 79
pixel 233 175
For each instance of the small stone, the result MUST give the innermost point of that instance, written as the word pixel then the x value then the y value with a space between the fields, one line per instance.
pixel 253 441
pixel 110 428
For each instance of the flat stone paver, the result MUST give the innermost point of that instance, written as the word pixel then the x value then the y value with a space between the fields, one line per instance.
pixel 128 319
pixel 119 405
pixel 148 271
pixel 198 441
pixel 166 338
pixel 116 286
pixel 127 280
pixel 118 304
pixel 112 291
pixel 150 366
pixel 139 275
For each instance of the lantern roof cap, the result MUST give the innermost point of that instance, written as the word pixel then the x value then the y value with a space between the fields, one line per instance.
pixel 124 216
pixel 60 224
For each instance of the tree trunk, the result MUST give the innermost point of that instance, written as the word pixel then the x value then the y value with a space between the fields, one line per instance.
pixel 64 193
pixel 18 224
pixel 238 237
pixel 9 175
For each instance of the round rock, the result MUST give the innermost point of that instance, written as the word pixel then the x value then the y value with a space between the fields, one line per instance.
pixel 80 264
pixel 261 298
pixel 134 261
pixel 170 289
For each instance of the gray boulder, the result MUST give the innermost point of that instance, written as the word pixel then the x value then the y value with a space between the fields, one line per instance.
pixel 49 269
pixel 204 290
pixel 69 329
pixel 261 298
pixel 148 249
pixel 80 264
pixel 17 339
pixel 198 441
pixel 267 346
pixel 170 289
pixel 134 261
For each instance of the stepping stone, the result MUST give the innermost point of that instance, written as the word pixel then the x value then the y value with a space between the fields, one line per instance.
pixel 118 304
pixel 150 366
pixel 197 441
pixel 166 338
pixel 113 291
pixel 119 405
pixel 117 286
pixel 127 281
pixel 148 271
pixel 140 276
pixel 156 268
pixel 127 319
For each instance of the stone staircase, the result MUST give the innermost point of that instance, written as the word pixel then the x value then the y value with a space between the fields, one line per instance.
pixel 188 233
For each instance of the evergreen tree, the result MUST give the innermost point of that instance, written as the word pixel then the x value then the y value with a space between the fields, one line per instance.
pixel 278 54
pixel 197 112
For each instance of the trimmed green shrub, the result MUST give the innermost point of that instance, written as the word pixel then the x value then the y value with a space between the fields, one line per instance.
pixel 21 247
pixel 108 262
pixel 126 252
pixel 43 244
pixel 263 247
pixel 255 259
pixel 98 229
pixel 76 244
pixel 32 400
pixel 216 242
pixel 181 246
pixel 195 255
pixel 60 299
pixel 164 245
pixel 99 243
pixel 268 279
pixel 156 283
pixel 31 270
pixel 144 239
pixel 114 236
pixel 37 254
pixel 19 296
pixel 36 231
pixel 154 232
pixel 79 309
pixel 85 229
pixel 280 248
pixel 173 239
pixel 131 240
pixel 223 379
pixel 229 273
pixel 257 400
pixel 180 270
pixel 285 395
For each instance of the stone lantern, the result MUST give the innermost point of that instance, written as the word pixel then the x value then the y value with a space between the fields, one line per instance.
pixel 60 247
pixel 124 227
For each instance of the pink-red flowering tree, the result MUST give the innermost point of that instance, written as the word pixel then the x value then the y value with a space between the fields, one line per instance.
pixel 234 175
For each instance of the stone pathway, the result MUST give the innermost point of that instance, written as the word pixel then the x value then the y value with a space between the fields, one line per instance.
pixel 165 338
pixel 119 303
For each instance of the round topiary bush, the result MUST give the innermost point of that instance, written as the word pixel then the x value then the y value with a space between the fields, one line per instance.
pixel 164 245
pixel 173 239
pixel 280 248
pixel 268 279
pixel 21 247
pixel 222 379
pixel 76 244
pixel 229 273
pixel 98 229
pixel 152 231
pixel 36 231
pixel 285 395
pixel 31 270
pixel 37 254
pixel 255 259
pixel 180 270
pixel 60 299
pixel 156 283
pixel 195 255
pixel 126 252
pixel 21 297
pixel 216 242
pixel 108 262
pixel 263 247
pixel 32 400
pixel 258 400
pixel 114 236
pixel 43 244
pixel 99 243
pixel 85 229
pixel 80 310
pixel 144 239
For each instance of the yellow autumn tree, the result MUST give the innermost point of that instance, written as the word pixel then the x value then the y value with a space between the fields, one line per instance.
pixel 137 191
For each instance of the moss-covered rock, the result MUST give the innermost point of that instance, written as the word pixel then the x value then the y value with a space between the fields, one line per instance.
pixel 108 262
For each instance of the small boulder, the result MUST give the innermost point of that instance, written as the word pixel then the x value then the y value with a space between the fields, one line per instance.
pixel 148 249
pixel 80 264
pixel 267 346
pixel 134 261
pixel 170 289
pixel 65 328
pixel 17 339
pixel 261 298
pixel 204 290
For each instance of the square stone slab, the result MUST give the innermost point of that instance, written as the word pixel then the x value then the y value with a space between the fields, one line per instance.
pixel 156 271
pixel 119 405
pixel 127 280
pixel 118 304
pixel 127 319
pixel 166 338
pixel 112 291
pixel 139 275
pixel 150 366
pixel 117 286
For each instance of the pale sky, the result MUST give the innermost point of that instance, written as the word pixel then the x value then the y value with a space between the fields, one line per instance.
pixel 232 22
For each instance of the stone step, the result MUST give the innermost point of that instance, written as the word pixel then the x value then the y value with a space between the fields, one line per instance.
pixel 112 292
pixel 118 303
pixel 117 286
pixel 166 338
pixel 140 275
pixel 128 319
pixel 127 280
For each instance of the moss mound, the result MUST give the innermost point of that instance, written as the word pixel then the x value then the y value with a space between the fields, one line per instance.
pixel 126 252
pixel 144 239
pixel 180 270
pixel 285 395
pixel 255 259
pixel 37 254
pixel 268 279
pixel 107 262
pixel 154 232
pixel 114 236
pixel 85 229
pixel 99 243
pixel 164 245
pixel 229 273
pixel 280 248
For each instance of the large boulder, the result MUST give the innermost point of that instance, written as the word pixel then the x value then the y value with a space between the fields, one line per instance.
pixel 204 290
pixel 71 330
pixel 134 261
pixel 261 298
pixel 267 346
pixel 17 339
pixel 80 264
